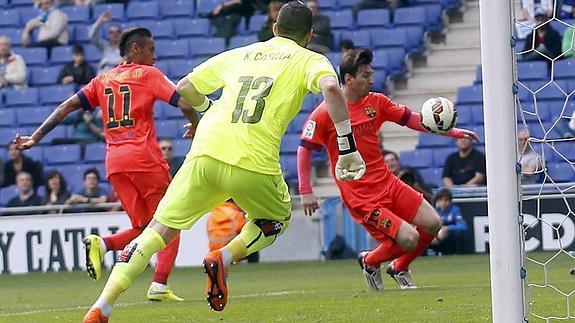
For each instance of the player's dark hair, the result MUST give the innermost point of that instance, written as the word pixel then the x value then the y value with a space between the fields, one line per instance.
pixel 351 63
pixel 63 183
pixel 346 44
pixel 92 171
pixel 443 193
pixel 133 35
pixel 294 21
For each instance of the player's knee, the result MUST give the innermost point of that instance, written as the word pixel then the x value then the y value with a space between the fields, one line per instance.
pixel 435 224
pixel 410 240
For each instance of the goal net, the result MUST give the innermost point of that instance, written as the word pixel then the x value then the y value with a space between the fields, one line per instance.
pixel 544 86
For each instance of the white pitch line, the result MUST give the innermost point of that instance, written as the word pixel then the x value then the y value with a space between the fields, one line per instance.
pixel 64 309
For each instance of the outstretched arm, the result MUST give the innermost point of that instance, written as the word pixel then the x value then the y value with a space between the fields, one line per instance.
pixel 65 108
pixel 193 97
pixel 308 199
pixel 414 122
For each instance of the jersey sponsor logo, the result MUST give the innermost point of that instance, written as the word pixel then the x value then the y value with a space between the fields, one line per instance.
pixel 127 253
pixel 268 227
pixel 370 111
pixel 309 129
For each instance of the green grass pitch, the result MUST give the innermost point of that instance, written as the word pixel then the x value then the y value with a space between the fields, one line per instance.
pixel 452 289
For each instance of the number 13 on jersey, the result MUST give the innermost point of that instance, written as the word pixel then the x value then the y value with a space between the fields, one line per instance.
pixel 248 83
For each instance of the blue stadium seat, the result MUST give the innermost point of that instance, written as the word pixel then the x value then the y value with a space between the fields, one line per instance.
pixel 8 133
pixel 469 94
pixel 9 18
pixel 62 154
pixel 532 70
pixel 7 193
pixel 52 95
pixel 478 75
pixel 432 176
pixel 172 49
pixel 289 143
pixel 560 172
pixel 528 112
pixel 161 29
pixel 414 38
pixel 380 60
pixel 168 129
pixel 20 97
pixel 464 116
pixel 74 175
pixel 95 152
pixel 480 131
pixel 297 124
pixel 14 34
pixel 389 38
pixel 28 13
pixel 256 23
pixel 373 18
pixel 181 147
pixel 239 41
pixel 186 28
pixel 328 5
pixel 564 69
pixel 117 10
pixel 32 116
pixel 44 75
pixel 22 3
pixel 180 68
pixel 553 91
pixel 476 114
pixel 309 103
pixel 36 153
pixel 163 66
pixel 334 58
pixel 566 149
pixel 202 47
pixel 429 140
pixel 343 4
pixel 61 55
pixel 7 119
pixel 177 8
pixel 142 10
pixel 34 56
pixel 159 110
pixel 410 16
pixel 171 112
pixel 360 37
pixel 433 14
pixel 56 133
pixel 206 6
pixel 440 155
pixel 380 81
pixel 396 60
pixel 93 54
pixel 3 3
pixel 421 158
pixel 77 14
pixel 80 34
pixel 289 166
pixel 341 19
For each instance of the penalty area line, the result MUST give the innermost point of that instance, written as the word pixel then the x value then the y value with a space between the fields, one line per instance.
pixel 76 308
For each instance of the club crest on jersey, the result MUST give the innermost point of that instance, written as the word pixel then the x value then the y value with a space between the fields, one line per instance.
pixel 309 129
pixel 370 111
pixel 385 223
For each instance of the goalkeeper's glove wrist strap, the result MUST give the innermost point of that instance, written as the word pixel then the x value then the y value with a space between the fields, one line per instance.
pixel 346 144
pixel 205 106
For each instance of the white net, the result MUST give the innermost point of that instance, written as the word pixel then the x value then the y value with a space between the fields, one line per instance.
pixel 545 103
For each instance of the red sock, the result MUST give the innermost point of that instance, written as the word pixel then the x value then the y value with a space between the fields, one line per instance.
pixel 402 263
pixel 387 250
pixel 166 260
pixel 119 240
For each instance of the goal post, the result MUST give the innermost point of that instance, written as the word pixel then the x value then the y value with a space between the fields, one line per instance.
pixel 505 227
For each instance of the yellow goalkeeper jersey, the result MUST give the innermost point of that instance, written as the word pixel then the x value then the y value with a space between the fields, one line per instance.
pixel 263 88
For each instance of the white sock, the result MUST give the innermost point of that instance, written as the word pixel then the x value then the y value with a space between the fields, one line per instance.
pixel 227 256
pixel 160 287
pixel 103 305
pixel 103 248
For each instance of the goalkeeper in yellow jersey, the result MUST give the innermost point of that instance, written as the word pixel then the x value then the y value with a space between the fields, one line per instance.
pixel 235 153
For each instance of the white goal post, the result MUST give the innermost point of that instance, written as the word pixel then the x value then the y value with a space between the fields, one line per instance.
pixel 505 228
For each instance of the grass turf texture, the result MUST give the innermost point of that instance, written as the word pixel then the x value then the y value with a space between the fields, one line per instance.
pixel 452 289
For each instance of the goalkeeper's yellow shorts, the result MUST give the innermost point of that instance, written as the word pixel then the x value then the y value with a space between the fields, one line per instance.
pixel 202 183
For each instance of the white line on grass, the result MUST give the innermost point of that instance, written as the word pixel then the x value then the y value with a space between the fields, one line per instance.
pixel 76 308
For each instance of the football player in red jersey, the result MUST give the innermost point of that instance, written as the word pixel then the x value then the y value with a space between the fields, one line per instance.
pixel 134 163
pixel 391 211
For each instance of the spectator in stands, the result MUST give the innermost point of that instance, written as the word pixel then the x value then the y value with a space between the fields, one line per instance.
pixel 56 189
pixel 465 167
pixel 26 195
pixel 52 25
pixel 346 46
pixel 378 4
pixel 266 32
pixel 110 51
pixel 12 66
pixel 406 174
pixel 531 163
pixel 566 9
pixel 568 44
pixel 226 16
pixel 17 163
pixel 88 128
pixel 321 40
pixel 92 192
pixel 168 152
pixel 547 40
pixel 78 71
pixel 525 15
pixel 451 237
